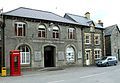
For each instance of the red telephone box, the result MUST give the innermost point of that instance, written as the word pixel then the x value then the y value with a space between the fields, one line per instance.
pixel 15 69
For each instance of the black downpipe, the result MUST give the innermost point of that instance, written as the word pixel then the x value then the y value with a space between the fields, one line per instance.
pixel 83 53
pixel 3 42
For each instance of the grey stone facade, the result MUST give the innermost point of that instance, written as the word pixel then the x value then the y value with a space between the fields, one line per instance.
pixel 112 38
pixel 69 49
pixel 37 44
pixel 91 51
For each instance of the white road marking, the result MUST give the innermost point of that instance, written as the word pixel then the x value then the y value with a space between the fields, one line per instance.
pixel 56 81
pixel 92 75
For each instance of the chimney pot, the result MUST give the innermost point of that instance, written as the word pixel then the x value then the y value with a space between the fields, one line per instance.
pixel 100 23
pixel 87 15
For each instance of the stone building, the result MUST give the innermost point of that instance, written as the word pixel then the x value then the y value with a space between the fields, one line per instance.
pixel 112 38
pixel 43 38
pixel 92 37
pixel 49 40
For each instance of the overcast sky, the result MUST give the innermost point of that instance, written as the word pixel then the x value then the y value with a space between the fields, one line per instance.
pixel 105 10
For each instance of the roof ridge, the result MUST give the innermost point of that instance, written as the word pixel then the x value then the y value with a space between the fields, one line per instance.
pixel 28 9
pixel 111 26
pixel 75 15
pixel 46 12
pixel 34 9
pixel 12 10
pixel 37 10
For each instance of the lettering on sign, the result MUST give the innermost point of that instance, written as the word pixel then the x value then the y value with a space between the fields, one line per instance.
pixel 60 55
pixel 37 56
pixel 79 55
pixel 61 42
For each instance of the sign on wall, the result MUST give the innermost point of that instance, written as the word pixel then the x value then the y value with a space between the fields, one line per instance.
pixel 79 55
pixel 37 56
pixel 60 55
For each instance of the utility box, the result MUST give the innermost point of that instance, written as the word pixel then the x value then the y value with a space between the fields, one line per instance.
pixel 15 69
pixel 3 71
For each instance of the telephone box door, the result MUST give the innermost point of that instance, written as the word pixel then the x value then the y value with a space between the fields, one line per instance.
pixel 15 69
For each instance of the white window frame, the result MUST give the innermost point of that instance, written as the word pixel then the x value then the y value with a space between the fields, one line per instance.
pixel 70 54
pixel 89 39
pixel 20 25
pixel 87 51
pixel 71 31
pixel 41 29
pixel 55 32
pixel 24 56
pixel 98 54
pixel 97 40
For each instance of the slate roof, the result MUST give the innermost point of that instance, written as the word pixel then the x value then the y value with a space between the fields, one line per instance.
pixel 82 20
pixel 108 30
pixel 38 14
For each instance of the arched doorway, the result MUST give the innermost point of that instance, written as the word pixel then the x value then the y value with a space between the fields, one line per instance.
pixel 49 56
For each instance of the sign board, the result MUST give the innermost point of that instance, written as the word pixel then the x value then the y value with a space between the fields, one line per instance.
pixel 60 55
pixel 79 55
pixel 37 56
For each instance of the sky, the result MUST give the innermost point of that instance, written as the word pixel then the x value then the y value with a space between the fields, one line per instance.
pixel 105 10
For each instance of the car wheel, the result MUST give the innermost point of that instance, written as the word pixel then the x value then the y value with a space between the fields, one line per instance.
pixel 115 63
pixel 107 64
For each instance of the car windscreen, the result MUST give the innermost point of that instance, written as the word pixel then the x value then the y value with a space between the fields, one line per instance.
pixel 103 58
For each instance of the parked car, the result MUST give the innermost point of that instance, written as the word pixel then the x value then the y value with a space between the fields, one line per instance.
pixel 107 61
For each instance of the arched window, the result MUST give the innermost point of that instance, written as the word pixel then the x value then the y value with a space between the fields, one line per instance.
pixel 70 54
pixel 24 54
pixel 71 33
pixel 55 32
pixel 41 31
pixel 20 28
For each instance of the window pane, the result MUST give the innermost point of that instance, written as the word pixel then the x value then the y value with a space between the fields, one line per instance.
pixel 57 35
pixel 43 33
pixel 53 34
pixel 25 54
pixel 16 29
pixel 24 30
pixel 27 57
pixel 87 41
pixel 19 29
pixel 71 35
pixel 39 33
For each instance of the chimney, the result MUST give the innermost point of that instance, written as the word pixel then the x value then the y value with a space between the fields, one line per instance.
pixel 87 15
pixel 100 23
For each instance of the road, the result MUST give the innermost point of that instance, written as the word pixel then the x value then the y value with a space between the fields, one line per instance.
pixel 93 74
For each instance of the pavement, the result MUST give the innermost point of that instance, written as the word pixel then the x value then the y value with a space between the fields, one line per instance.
pixel 29 71
pixel 40 70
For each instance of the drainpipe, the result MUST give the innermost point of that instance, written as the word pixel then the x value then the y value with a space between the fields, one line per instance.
pixel 103 44
pixel 2 38
pixel 92 45
pixel 83 54
pixel 3 42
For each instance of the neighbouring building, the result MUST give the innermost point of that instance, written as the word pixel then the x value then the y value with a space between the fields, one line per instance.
pixel 92 37
pixel 112 41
